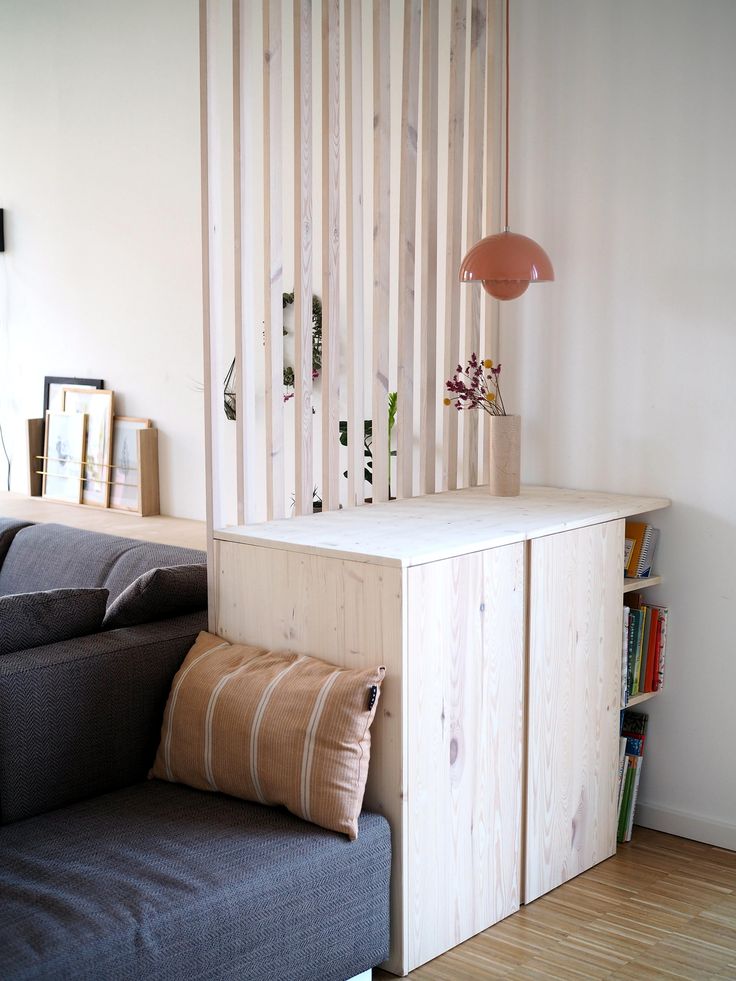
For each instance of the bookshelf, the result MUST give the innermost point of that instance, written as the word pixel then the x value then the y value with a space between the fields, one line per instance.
pixel 635 584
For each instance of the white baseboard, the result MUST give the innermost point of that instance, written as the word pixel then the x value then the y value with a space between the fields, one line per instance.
pixel 365 976
pixel 686 825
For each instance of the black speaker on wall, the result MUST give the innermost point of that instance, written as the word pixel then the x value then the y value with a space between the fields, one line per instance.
pixel 2 232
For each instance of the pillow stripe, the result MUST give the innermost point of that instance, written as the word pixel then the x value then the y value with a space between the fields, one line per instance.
pixel 176 688
pixel 257 720
pixel 309 740
pixel 209 720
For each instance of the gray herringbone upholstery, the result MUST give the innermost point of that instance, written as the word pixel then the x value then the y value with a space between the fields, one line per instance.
pixel 83 717
pixel 53 556
pixel 9 527
pixel 34 619
pixel 159 593
pixel 162 883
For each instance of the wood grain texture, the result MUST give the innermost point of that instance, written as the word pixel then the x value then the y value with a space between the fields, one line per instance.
pixel 407 247
pixel 661 908
pixel 574 688
pixel 475 169
pixel 349 613
pixel 465 641
pixel 430 393
pixel 35 431
pixel 304 449
pixel 330 253
pixel 453 250
pixel 438 526
pixel 354 247
pixel 273 284
pixel 381 244
pixel 148 497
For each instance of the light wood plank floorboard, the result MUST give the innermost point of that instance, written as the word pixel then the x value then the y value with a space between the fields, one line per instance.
pixel 662 908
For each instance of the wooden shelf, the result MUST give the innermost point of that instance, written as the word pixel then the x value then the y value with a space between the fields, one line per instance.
pixel 642 697
pixel 631 584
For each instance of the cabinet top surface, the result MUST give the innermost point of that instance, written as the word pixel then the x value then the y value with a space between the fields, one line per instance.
pixel 438 526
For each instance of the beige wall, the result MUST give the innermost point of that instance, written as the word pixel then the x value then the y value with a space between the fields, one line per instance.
pixel 99 178
pixel 623 141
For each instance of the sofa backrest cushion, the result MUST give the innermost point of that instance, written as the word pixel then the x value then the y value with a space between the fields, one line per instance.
pixel 36 619
pixel 9 528
pixel 159 593
pixel 277 728
pixel 50 556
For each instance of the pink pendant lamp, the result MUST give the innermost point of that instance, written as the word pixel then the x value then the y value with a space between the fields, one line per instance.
pixel 506 263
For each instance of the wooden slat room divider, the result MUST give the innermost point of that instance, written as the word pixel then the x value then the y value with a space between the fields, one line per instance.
pixel 362 178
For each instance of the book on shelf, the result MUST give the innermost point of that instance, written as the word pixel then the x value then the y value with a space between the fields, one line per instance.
pixel 644 642
pixel 640 545
pixel 631 742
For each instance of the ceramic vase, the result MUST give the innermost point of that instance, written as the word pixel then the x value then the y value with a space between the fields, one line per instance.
pixel 505 455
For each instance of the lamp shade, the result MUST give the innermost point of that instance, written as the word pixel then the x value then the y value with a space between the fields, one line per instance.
pixel 505 264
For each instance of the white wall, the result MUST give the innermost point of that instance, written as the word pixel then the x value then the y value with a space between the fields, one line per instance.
pixel 99 178
pixel 623 148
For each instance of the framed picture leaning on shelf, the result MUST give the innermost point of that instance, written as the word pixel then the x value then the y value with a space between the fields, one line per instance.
pixel 62 456
pixel 125 480
pixel 53 390
pixel 97 405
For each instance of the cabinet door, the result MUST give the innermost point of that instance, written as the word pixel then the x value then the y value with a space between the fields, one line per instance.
pixel 575 623
pixel 465 676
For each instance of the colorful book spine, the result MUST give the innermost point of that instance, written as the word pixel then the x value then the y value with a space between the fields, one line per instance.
pixel 625 658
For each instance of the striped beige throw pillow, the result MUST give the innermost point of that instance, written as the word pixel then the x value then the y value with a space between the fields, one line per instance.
pixel 271 727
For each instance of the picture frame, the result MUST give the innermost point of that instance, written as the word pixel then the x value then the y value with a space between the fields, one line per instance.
pixel 125 479
pixel 63 455
pixel 97 405
pixel 53 390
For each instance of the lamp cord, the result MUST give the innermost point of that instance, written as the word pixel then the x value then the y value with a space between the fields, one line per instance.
pixel 507 121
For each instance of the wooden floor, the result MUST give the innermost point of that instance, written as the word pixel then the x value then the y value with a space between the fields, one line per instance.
pixel 157 528
pixel 662 908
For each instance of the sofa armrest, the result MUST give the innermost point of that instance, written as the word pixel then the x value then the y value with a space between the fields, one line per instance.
pixel 83 717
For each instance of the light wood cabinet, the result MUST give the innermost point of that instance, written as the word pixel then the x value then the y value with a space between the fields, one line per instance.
pixel 495 744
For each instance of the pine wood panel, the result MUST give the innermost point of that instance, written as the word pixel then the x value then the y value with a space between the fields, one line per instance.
pixel 573 702
pixel 430 392
pixel 354 247
pixel 240 422
pixel 465 638
pixel 273 285
pixel 407 247
pixel 439 526
pixel 381 244
pixel 476 144
pixel 303 257
pixel 661 908
pixel 349 613
pixel 330 252
pixel 453 249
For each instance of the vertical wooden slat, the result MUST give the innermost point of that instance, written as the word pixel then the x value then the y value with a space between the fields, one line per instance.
pixel 407 246
pixel 476 140
pixel 247 324
pixel 453 255
pixel 240 420
pixel 354 247
pixel 330 253
pixel 303 257
pixel 212 511
pixel 491 201
pixel 381 238
pixel 430 391
pixel 273 259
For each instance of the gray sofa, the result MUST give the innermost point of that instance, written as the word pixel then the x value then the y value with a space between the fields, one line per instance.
pixel 107 875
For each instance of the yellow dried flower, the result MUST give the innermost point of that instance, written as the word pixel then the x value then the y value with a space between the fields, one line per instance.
pixel 488 363
pixel 490 397
pixel 447 401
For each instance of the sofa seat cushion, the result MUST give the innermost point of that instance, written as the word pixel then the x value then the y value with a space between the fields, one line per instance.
pixel 159 594
pixel 51 556
pixel 163 882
